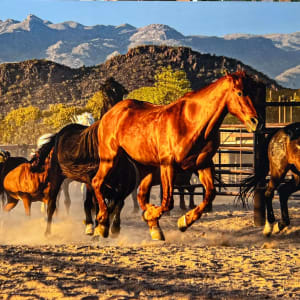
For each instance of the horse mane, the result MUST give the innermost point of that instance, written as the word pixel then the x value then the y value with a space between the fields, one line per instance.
pixel 82 158
pixel 88 146
pixel 292 130
pixel 236 75
pixel 38 160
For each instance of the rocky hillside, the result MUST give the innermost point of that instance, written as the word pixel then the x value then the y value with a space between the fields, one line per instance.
pixel 75 45
pixel 41 82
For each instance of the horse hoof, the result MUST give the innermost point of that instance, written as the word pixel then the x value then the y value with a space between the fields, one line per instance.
pixel 47 233
pixel 101 230
pixel 157 234
pixel 89 229
pixel 181 223
pixel 143 216
pixel 268 229
pixel 278 227
pixel 115 230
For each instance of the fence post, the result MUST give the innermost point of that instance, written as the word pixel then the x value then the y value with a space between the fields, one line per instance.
pixel 259 209
pixel 259 99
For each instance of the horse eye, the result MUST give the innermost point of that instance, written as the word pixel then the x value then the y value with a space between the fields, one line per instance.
pixel 240 94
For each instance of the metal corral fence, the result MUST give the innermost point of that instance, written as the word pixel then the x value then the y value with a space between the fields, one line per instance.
pixel 235 158
pixel 19 150
pixel 233 161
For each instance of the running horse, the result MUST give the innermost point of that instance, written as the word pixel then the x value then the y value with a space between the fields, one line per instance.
pixel 19 182
pixel 85 119
pixel 183 135
pixel 281 155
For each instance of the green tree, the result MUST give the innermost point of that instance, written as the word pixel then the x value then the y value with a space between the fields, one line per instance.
pixel 96 105
pixel 20 125
pixel 59 115
pixel 169 85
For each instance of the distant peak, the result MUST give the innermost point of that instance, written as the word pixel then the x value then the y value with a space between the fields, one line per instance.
pixel 32 17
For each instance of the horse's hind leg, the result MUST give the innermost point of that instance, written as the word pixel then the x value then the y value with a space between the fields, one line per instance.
pixel 67 200
pixel 269 194
pixel 54 189
pixel 149 210
pixel 206 178
pixel 105 167
pixel 27 206
pixel 191 192
pixel 88 207
pixel 10 205
pixel 181 199
pixel 116 218
pixel 135 201
pixel 284 193
pixel 153 213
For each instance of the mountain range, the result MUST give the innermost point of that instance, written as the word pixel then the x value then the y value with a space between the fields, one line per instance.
pixel 43 82
pixel 75 45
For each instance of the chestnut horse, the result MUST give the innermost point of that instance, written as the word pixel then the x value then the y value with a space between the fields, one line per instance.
pixel 282 155
pixel 19 182
pixel 183 135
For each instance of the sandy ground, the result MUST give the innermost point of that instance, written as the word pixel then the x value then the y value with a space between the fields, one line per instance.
pixel 222 256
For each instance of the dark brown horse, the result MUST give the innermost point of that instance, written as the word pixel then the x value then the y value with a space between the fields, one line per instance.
pixel 75 156
pixel 282 155
pixel 183 135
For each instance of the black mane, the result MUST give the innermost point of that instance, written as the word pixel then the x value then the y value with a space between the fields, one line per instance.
pixel 293 130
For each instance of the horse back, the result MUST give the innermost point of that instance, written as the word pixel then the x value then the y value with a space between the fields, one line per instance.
pixel 22 180
pixel 284 147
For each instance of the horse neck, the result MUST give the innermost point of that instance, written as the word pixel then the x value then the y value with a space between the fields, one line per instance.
pixel 207 108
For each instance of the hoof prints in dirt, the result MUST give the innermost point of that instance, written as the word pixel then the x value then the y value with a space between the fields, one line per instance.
pixel 168 272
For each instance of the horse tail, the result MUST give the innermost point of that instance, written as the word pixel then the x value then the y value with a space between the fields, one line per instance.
pixel 250 183
pixel 38 161
pixel 4 155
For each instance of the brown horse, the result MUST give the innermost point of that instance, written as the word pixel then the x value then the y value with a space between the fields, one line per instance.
pixel 180 136
pixel 19 182
pixel 282 155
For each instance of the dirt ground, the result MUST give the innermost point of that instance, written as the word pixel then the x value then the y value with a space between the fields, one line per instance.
pixel 222 256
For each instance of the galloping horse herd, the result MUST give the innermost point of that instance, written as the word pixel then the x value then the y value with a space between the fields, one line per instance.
pixel 135 143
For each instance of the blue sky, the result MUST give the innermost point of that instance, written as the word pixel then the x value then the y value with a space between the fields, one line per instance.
pixel 201 18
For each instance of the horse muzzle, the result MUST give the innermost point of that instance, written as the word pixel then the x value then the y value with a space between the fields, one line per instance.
pixel 251 124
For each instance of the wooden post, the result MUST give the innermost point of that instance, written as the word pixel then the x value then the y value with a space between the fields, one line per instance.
pixel 259 209
pixel 258 96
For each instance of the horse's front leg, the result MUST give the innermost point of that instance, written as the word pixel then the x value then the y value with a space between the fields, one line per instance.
pixel 153 213
pixel 206 177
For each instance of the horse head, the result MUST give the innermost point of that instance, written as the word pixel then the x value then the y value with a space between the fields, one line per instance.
pixel 238 103
pixel 113 91
pixel 4 155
